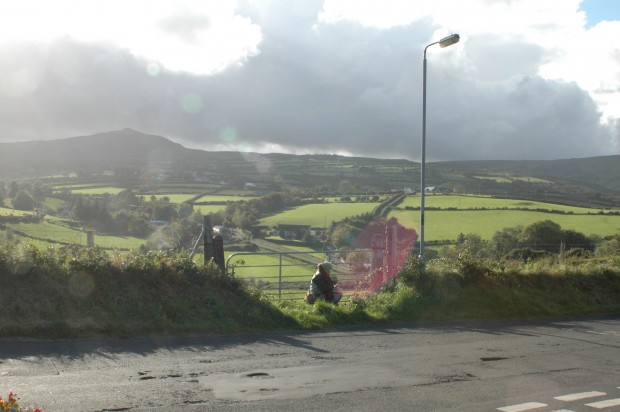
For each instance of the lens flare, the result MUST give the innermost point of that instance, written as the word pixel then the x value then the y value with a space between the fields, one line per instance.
pixel 192 103
pixel 391 245
pixel 228 134
pixel 153 69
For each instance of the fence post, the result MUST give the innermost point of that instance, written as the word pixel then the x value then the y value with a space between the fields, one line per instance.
pixel 90 237
pixel 280 280
pixel 209 246
pixel 377 244
pixel 218 252
pixel 391 241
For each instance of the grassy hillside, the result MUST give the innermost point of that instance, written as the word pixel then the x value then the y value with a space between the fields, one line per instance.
pixel 137 159
pixel 75 292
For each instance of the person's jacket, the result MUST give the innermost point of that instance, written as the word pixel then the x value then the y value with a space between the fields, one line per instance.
pixel 325 285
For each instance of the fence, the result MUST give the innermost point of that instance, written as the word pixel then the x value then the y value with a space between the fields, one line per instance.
pixel 287 275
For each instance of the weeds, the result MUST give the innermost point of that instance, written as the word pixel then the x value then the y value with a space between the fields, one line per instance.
pixel 78 292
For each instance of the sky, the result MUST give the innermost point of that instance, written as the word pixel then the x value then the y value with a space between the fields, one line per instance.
pixel 529 79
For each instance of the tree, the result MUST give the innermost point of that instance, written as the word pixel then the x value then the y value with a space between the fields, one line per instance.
pixel 2 194
pixel 166 211
pixel 505 240
pixel 543 235
pixel 577 240
pixel 23 201
pixel 344 235
pixel 138 225
pixel 127 198
pixel 13 189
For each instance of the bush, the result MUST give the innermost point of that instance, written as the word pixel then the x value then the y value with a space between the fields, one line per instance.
pixel 526 254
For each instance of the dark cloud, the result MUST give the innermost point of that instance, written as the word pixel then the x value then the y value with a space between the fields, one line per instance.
pixel 314 87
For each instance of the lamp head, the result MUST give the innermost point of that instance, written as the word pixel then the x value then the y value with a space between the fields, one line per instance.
pixel 449 40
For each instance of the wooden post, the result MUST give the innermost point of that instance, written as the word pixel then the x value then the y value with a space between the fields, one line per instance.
pixel 207 236
pixel 218 252
pixel 391 241
pixel 90 237
pixel 377 243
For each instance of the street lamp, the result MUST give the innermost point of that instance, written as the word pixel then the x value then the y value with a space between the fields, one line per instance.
pixel 445 42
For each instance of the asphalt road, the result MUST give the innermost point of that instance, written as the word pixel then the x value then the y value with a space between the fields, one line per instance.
pixel 559 365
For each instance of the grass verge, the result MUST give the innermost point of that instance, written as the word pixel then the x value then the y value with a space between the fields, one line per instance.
pixel 79 292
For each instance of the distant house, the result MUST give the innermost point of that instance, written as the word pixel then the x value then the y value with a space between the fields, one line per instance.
pixel 292 231
pixel 158 223
pixel 445 190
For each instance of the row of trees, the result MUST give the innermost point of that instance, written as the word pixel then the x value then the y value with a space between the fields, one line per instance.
pixel 539 238
pixel 24 195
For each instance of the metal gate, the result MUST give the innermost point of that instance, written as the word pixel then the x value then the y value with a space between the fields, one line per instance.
pixel 287 275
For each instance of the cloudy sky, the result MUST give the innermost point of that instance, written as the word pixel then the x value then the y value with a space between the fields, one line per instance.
pixel 530 79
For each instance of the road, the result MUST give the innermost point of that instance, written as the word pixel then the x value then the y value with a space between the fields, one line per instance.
pixel 567 365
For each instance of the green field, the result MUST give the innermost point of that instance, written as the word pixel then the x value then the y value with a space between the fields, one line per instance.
pixel 479 202
pixel 510 179
pixel 55 230
pixel 112 190
pixel 5 211
pixel 224 198
pixel 318 215
pixel 447 224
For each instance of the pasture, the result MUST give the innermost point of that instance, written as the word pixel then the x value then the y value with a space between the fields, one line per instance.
pixel 53 231
pixel 318 214
pixel 91 190
pixel 5 211
pixel 470 218
pixel 479 202
pixel 223 198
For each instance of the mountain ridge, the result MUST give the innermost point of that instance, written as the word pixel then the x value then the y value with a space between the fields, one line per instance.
pixel 128 148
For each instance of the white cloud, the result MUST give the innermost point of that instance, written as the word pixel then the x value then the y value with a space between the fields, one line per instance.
pixel 194 36
pixel 527 80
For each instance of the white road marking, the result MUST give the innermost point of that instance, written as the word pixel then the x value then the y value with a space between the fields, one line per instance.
pixel 563 410
pixel 606 332
pixel 577 396
pixel 522 407
pixel 605 404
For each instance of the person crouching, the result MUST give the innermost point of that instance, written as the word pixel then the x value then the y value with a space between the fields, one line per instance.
pixel 322 285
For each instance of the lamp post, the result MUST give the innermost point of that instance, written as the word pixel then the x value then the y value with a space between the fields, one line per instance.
pixel 445 42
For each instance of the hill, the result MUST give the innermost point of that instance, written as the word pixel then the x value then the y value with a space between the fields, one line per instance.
pixel 593 181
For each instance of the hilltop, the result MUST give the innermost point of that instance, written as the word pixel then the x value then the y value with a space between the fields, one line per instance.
pixel 593 181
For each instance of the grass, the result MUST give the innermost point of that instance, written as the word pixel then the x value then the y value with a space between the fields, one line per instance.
pixel 78 292
pixel 5 211
pixel 54 230
pixel 479 202
pixel 318 215
pixel 224 198
pixel 446 225
pixel 510 179
pixel 469 218
pixel 113 190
